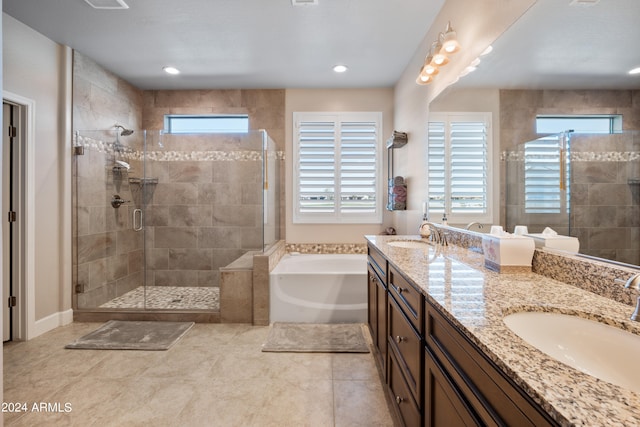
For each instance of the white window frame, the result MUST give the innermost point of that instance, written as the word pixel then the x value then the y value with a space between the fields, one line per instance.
pixel 337 215
pixel 436 213
pixel 219 118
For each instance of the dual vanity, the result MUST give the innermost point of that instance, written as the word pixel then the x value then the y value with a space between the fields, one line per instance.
pixel 459 344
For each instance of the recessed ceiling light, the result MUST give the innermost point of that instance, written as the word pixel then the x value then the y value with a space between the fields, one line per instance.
pixel 171 70
pixel 340 68
pixel 635 71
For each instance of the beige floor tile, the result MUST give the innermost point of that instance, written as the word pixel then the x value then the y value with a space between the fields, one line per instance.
pixel 216 375
pixel 360 403
pixel 297 403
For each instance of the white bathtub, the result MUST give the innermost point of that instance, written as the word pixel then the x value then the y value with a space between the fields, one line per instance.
pixel 319 289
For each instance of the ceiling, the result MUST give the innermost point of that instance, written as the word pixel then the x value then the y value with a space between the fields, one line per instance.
pixel 556 45
pixel 239 44
pixel 272 44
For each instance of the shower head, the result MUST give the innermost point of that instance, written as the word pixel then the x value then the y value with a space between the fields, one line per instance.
pixel 125 131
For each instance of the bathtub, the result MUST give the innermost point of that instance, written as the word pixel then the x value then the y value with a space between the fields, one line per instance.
pixel 319 289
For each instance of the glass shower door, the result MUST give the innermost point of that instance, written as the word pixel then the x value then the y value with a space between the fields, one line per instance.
pixel 109 250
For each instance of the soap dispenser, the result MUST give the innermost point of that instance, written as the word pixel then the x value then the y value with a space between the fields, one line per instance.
pixel 425 228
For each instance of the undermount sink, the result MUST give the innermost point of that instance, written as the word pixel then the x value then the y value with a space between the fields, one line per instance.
pixel 410 244
pixel 600 350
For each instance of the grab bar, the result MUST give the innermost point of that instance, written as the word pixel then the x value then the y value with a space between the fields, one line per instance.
pixel 139 225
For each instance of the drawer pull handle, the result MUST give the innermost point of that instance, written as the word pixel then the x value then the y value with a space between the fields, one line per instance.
pixel 399 400
pixel 399 339
pixel 400 290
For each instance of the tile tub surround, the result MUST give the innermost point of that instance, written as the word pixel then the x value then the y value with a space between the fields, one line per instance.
pixel 476 299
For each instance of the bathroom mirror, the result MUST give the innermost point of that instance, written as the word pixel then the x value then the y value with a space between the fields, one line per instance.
pixel 566 58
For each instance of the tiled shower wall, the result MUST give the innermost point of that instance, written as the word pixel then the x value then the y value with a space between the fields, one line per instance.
pixel 605 212
pixel 205 210
pixel 108 262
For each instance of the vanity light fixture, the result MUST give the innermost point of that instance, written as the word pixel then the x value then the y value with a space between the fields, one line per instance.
pixel 634 71
pixel 171 70
pixel 438 56
pixel 340 68
pixel 449 40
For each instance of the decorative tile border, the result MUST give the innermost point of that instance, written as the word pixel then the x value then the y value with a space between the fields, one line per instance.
pixel 327 248
pixel 172 156
pixel 581 156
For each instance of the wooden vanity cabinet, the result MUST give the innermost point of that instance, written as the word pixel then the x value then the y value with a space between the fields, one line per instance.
pixel 484 392
pixel 435 375
pixel 377 298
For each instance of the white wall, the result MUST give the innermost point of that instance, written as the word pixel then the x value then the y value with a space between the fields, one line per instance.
pixel 477 23
pixel 333 100
pixel 36 68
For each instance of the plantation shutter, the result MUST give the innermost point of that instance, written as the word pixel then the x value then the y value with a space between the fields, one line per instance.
pixel 542 176
pixel 336 174
pixel 468 148
pixel 458 161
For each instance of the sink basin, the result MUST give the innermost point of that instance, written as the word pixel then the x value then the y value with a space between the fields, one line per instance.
pixel 410 244
pixel 603 351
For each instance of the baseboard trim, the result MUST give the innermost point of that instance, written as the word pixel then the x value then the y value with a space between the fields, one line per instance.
pixel 51 322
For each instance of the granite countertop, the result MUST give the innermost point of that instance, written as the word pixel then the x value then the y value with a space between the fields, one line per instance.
pixel 476 299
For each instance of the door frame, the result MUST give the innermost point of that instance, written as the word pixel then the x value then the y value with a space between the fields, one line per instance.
pixel 24 321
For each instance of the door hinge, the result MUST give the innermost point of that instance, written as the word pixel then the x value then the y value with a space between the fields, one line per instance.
pixel 13 131
pixel 78 150
pixel 12 217
pixel 80 288
pixel 13 301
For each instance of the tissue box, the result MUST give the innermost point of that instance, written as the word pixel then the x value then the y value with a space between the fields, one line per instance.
pixel 508 253
pixel 563 243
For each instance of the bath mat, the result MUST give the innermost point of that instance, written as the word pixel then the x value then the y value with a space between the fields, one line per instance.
pixel 316 338
pixel 130 335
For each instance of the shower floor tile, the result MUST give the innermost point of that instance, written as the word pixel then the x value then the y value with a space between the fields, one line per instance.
pixel 168 297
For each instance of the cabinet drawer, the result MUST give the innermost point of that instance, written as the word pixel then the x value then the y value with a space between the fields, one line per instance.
pixel 410 299
pixel 408 347
pixel 379 263
pixel 401 395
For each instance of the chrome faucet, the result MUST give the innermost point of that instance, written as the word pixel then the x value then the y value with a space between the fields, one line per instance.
pixel 435 234
pixel 471 224
pixel 634 283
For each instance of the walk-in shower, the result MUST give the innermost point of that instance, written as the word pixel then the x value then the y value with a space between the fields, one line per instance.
pixel 157 215
pixel 579 184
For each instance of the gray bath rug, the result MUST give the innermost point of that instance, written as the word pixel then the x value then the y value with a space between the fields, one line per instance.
pixel 316 338
pixel 129 335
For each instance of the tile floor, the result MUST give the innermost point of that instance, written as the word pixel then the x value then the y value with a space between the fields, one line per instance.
pixel 168 297
pixel 215 375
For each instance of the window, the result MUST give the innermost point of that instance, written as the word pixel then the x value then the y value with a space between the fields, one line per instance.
pixel 237 123
pixel 579 123
pixel 336 163
pixel 459 165
pixel 546 184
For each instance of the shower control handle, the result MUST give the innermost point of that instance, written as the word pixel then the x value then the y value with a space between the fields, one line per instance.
pixel 117 201
pixel 137 219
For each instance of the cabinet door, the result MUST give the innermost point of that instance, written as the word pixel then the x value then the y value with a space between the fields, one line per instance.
pixel 444 406
pixel 372 291
pixel 381 302
pixel 377 315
